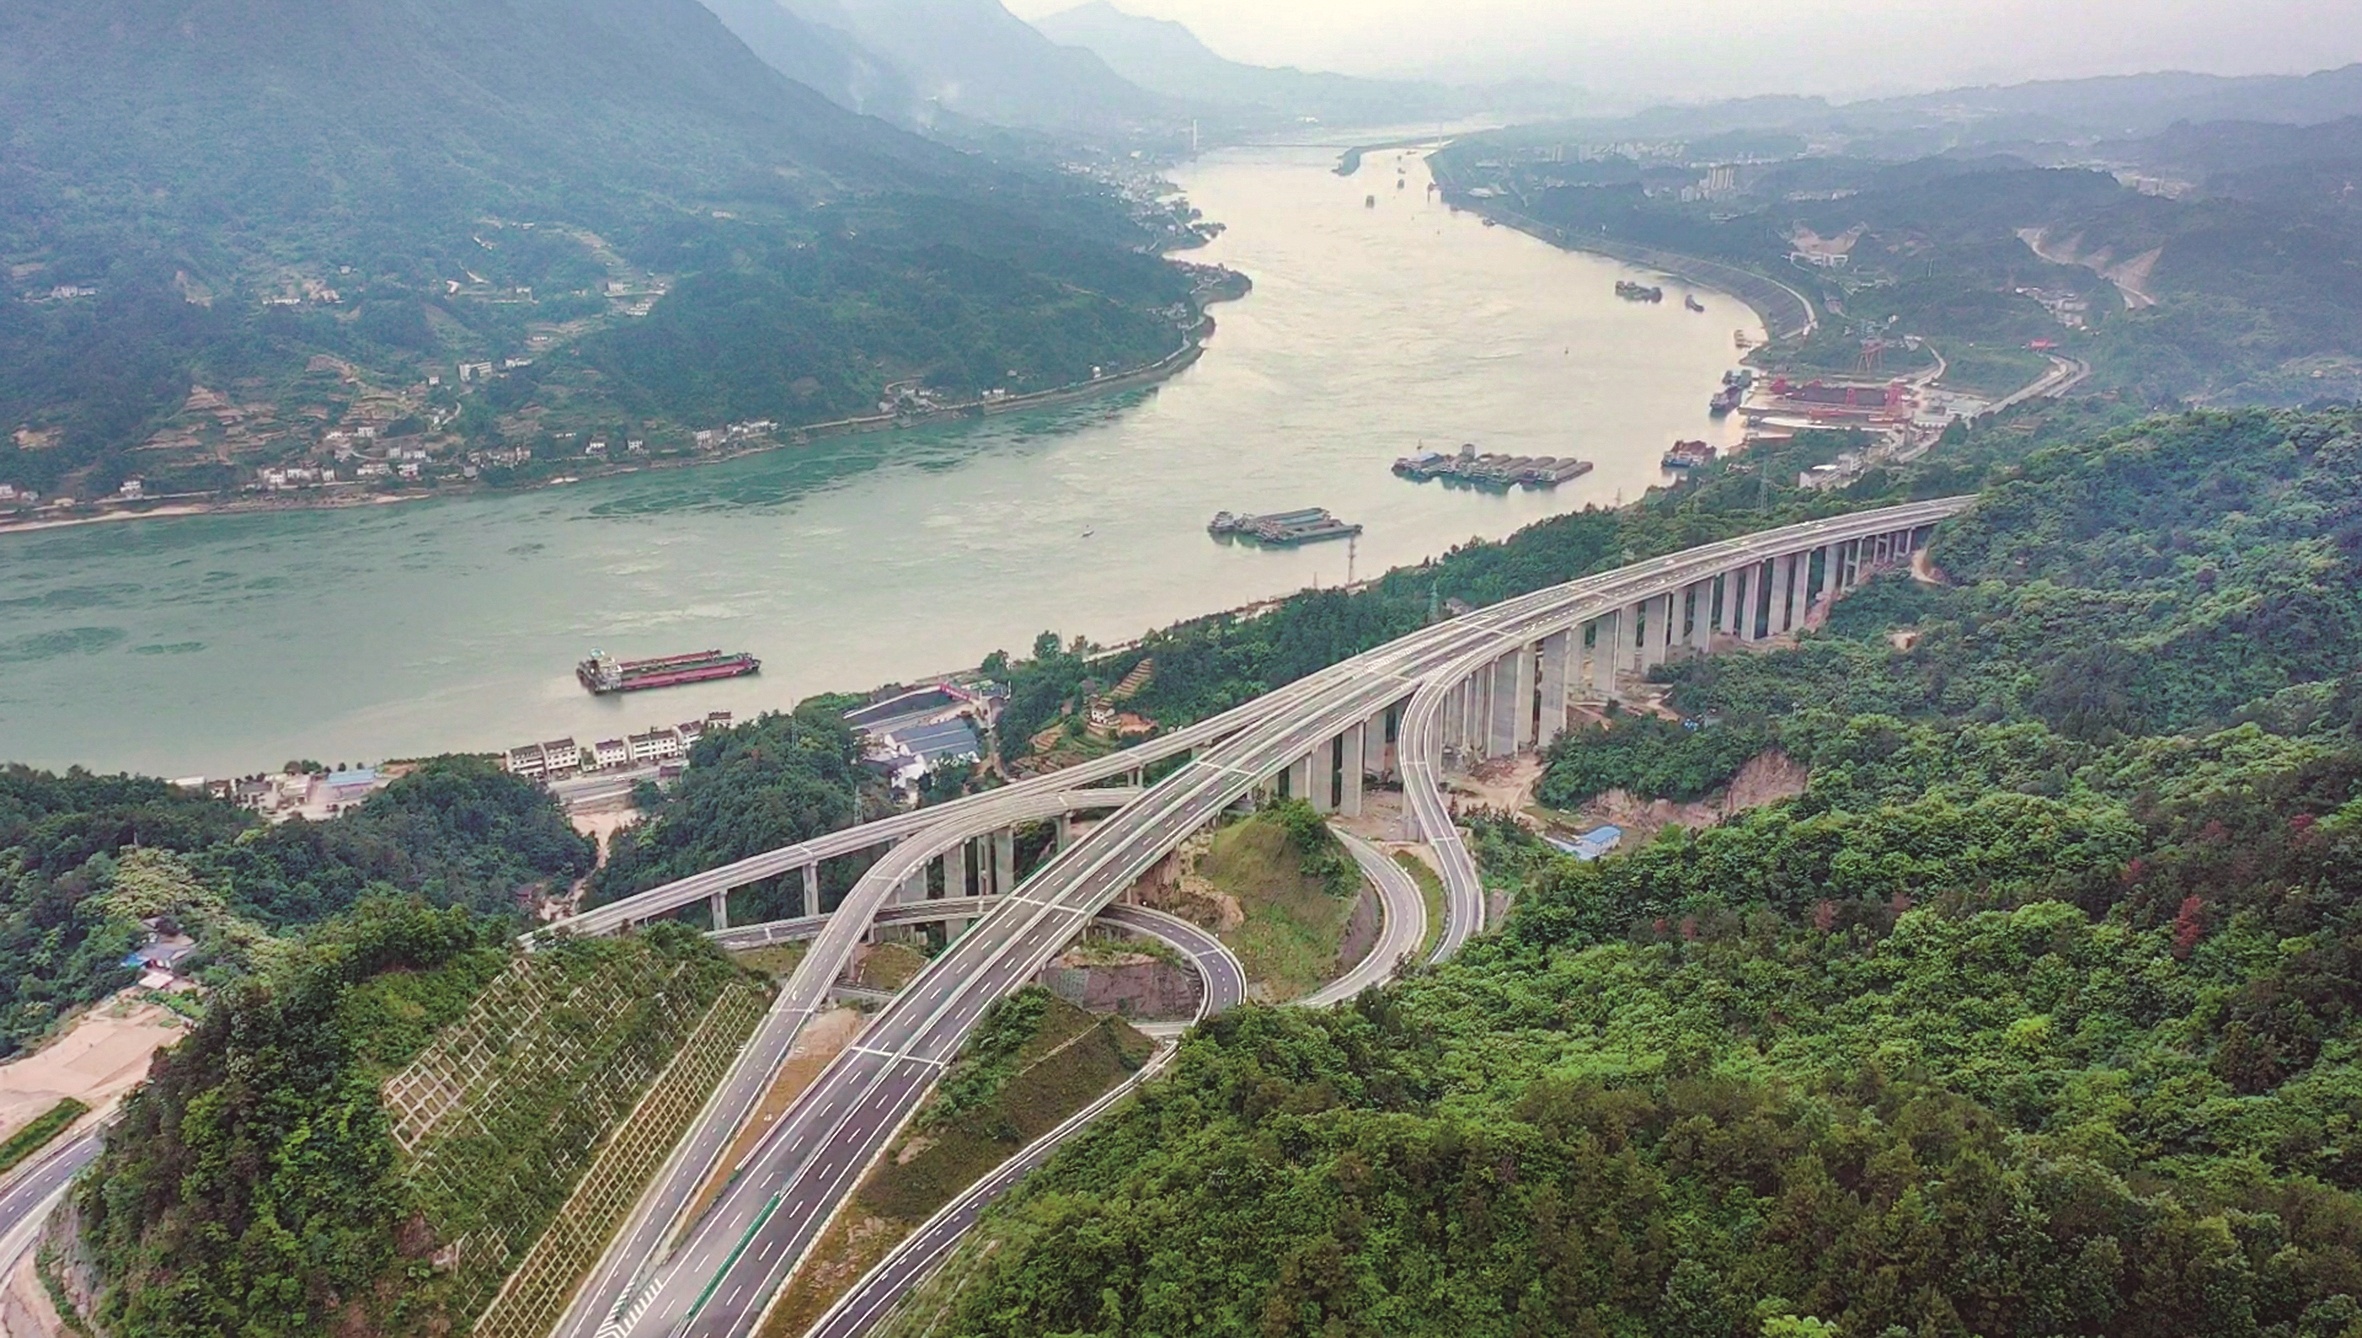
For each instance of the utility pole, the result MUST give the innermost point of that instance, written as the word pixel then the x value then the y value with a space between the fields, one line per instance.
pixel 1352 550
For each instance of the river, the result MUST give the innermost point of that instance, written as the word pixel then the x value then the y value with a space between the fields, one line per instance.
pixel 227 644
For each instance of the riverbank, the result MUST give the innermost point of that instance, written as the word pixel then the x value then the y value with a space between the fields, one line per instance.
pixel 1787 315
pixel 340 497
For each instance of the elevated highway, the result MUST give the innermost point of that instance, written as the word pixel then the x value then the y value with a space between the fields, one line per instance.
pixel 1489 684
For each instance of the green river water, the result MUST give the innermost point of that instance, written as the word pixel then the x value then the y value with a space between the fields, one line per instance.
pixel 225 644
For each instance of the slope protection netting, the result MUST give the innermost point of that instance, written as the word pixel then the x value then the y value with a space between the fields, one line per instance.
pixel 502 1114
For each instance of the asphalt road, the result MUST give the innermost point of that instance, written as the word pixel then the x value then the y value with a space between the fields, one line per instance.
pixel 1402 925
pixel 37 1187
pixel 638 1251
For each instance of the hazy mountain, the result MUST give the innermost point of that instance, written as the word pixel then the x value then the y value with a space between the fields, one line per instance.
pixel 975 58
pixel 2048 111
pixel 316 204
pixel 822 56
pixel 1166 57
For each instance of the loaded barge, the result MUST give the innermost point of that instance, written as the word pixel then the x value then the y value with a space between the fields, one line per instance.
pixel 1283 529
pixel 604 674
pixel 1496 473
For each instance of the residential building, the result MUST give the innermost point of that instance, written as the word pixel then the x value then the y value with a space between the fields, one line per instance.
pixel 561 757
pixel 527 761
pixel 610 753
pixel 656 745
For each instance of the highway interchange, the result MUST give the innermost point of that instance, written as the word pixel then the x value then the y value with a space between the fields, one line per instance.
pixel 724 1275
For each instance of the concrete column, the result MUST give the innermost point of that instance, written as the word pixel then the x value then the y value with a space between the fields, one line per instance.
pixel 1065 836
pixel 811 890
pixel 1672 635
pixel 1557 651
pixel 913 888
pixel 1701 616
pixel 1727 618
pixel 1525 687
pixel 718 905
pixel 1321 777
pixel 1783 581
pixel 1300 779
pixel 1603 652
pixel 1373 742
pixel 955 872
pixel 1505 708
pixel 1827 584
pixel 1480 720
pixel 1349 751
pixel 1004 861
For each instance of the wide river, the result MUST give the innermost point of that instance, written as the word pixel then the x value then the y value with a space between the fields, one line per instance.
pixel 225 644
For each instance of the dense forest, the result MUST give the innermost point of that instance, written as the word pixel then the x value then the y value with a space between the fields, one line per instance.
pixel 2034 1015
pixel 84 859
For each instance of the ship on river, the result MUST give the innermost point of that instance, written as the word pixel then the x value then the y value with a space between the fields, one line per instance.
pixel 604 675
pixel 1284 529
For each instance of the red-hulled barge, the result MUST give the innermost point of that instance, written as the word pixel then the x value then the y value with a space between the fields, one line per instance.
pixel 604 674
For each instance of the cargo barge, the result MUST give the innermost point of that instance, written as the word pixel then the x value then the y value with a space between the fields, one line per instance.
pixel 1497 473
pixel 603 675
pixel 1283 529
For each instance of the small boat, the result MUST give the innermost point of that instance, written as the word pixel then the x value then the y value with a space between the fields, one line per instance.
pixel 1089 532
pixel 1691 301
pixel 1369 202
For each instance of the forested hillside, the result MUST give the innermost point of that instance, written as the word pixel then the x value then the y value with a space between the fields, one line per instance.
pixel 270 1180
pixel 2213 263
pixel 234 229
pixel 2034 1015
pixel 84 859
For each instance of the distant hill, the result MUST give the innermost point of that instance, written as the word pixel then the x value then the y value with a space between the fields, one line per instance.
pixel 824 58
pixel 234 226
pixel 2048 111
pixel 976 59
pixel 1166 57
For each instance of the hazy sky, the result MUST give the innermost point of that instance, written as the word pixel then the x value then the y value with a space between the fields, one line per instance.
pixel 1690 48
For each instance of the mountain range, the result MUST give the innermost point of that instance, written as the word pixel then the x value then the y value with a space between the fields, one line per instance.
pixel 236 225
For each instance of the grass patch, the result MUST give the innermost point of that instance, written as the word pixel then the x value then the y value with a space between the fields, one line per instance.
pixel 773 959
pixel 1991 369
pixel 1295 919
pixel 1431 892
pixel 889 966
pixel 1034 1060
pixel 35 1136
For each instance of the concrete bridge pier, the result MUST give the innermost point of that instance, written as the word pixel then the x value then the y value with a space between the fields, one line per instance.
pixel 1512 710
pixel 1377 742
pixel 1351 750
pixel 811 889
pixel 718 905
pixel 1064 835
pixel 1782 587
pixel 1004 861
pixel 955 871
pixel 1604 635
pixel 1558 666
